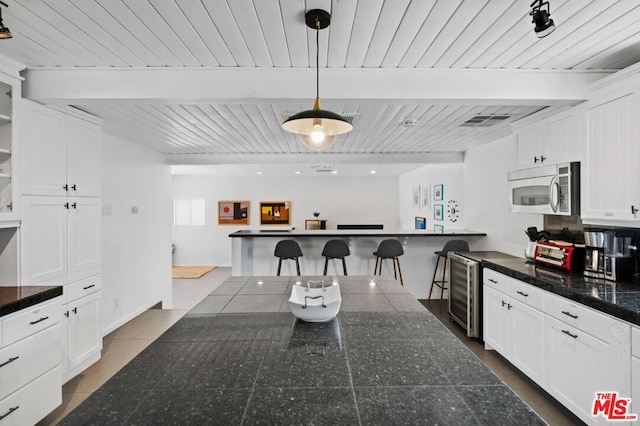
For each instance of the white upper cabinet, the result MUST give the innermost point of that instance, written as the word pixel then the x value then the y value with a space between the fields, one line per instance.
pixel 61 153
pixel 611 183
pixel 9 90
pixel 550 140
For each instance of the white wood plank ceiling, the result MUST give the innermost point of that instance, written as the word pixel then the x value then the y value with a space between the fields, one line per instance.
pixel 270 35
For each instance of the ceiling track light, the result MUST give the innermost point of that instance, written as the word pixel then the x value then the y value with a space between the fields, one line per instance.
pixel 4 31
pixel 316 127
pixel 544 24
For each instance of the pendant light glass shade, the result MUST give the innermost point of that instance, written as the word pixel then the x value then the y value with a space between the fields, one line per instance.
pixel 316 127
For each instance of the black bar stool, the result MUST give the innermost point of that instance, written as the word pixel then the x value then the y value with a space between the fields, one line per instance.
pixel 389 249
pixel 451 245
pixel 335 249
pixel 288 249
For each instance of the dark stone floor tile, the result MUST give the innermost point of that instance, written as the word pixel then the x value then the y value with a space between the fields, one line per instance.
pixel 215 365
pixel 325 406
pixel 497 405
pixel 431 405
pixel 394 363
pixel 201 407
pixel 303 364
pixel 106 407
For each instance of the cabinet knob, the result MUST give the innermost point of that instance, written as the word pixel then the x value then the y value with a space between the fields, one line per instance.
pixel 75 310
pixel 65 187
pixel 66 314
pixel 74 205
pixel 73 187
pixel 542 158
pixel 535 159
pixel 634 210
pixel 66 206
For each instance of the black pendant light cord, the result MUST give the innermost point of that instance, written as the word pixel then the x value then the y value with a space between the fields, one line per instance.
pixel 317 59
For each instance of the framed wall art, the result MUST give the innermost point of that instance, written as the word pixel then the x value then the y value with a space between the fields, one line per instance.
pixel 233 212
pixel 275 212
pixel 438 192
pixel 425 196
pixel 438 212
pixel 415 197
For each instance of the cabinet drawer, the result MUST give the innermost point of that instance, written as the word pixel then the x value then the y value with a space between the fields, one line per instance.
pixel 84 287
pixel 527 294
pixel 595 323
pixel 33 402
pixel 29 358
pixel 30 321
pixel 635 344
pixel 496 280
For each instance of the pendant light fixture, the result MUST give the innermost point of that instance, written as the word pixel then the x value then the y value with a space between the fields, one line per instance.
pixel 4 31
pixel 316 127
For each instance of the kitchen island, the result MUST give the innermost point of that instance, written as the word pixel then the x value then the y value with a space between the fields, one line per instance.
pixel 240 357
pixel 252 252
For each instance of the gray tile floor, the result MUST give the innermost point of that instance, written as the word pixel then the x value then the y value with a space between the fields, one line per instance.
pixel 376 363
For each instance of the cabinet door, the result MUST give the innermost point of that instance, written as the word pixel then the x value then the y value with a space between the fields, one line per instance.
pixel 83 158
pixel 561 138
pixel 44 239
pixel 85 244
pixel 495 326
pixel 529 145
pixel 526 349
pixel 43 150
pixel 611 181
pixel 83 329
pixel 577 366
pixel 635 385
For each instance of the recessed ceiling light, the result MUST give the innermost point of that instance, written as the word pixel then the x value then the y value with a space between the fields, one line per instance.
pixel 297 172
pixel 258 173
pixel 373 172
pixel 334 172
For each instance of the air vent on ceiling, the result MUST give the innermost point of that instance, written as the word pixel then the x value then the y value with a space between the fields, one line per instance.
pixel 485 120
pixel 349 117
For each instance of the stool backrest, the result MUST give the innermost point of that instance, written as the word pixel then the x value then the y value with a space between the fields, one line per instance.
pixel 389 248
pixel 455 245
pixel 334 249
pixel 287 249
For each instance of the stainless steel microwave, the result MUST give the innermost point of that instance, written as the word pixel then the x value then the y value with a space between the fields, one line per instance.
pixel 552 189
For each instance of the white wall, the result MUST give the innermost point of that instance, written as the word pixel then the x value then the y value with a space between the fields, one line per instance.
pixel 451 177
pixel 339 199
pixel 136 247
pixel 486 198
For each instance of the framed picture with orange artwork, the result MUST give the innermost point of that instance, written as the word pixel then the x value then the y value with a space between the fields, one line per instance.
pixel 233 212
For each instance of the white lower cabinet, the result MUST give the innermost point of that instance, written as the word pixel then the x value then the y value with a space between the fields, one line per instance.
pixel 30 359
pixel 572 351
pixel 513 328
pixel 81 337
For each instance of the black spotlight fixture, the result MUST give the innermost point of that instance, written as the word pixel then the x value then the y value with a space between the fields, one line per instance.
pixel 317 128
pixel 4 31
pixel 544 24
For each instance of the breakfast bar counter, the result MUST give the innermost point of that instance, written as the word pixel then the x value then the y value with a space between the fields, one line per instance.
pixel 252 252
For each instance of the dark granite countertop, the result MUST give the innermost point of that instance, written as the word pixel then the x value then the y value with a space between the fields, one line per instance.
pixel 355 233
pixel 13 299
pixel 618 299
pixel 240 357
